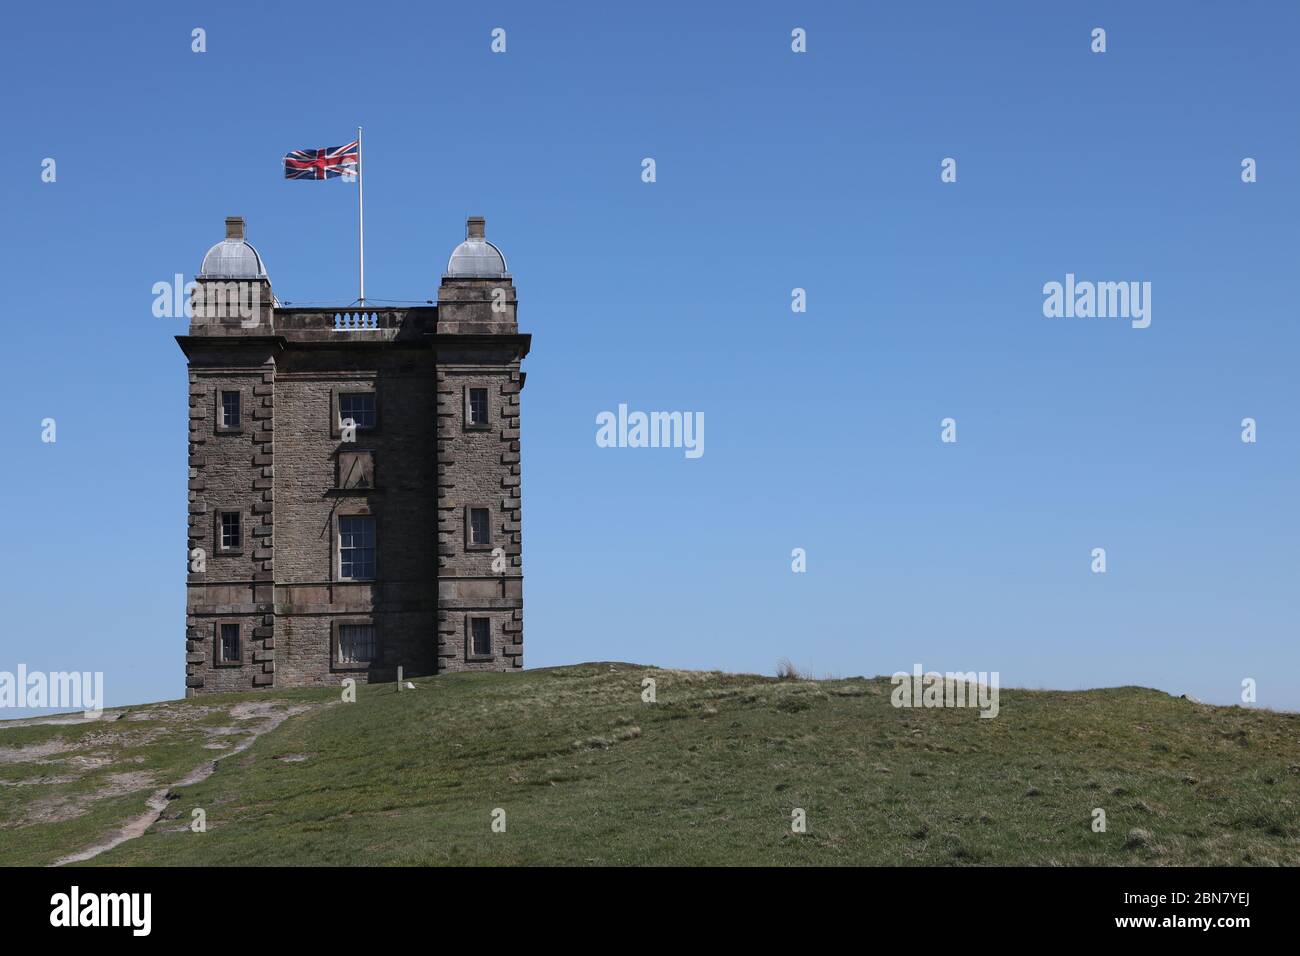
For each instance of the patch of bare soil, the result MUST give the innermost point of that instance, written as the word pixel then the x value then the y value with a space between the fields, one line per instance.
pixel 223 731
pixel 34 752
pixel 171 712
pixel 41 781
pixel 270 717
pixel 86 761
pixel 55 809
pixel 252 709
pixel 60 720
pixel 123 739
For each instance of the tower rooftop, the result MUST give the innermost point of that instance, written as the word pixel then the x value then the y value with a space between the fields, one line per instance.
pixel 476 258
pixel 234 257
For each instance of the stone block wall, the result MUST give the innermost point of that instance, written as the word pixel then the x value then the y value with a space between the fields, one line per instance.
pixel 230 470
pixel 479 468
pixel 402 602
pixel 425 464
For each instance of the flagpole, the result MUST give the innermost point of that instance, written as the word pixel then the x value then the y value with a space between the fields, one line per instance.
pixel 361 219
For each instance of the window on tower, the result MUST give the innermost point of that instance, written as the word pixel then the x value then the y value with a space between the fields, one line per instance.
pixel 230 409
pixel 476 408
pixel 230 413
pixel 356 643
pixel 228 649
pixel 230 532
pixel 356 547
pixel 480 527
pixel 359 408
pixel 480 637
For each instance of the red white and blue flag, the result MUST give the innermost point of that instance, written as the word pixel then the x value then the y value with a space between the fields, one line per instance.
pixel 331 162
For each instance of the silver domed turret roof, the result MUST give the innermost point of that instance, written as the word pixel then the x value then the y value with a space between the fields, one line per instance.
pixel 476 257
pixel 234 257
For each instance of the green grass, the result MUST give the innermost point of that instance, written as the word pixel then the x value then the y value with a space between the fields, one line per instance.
pixel 66 786
pixel 589 774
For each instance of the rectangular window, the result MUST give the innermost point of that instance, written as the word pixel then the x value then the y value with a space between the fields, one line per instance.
pixel 229 649
pixel 480 637
pixel 478 406
pixel 230 409
pixel 480 531
pixel 356 470
pixel 232 535
pixel 356 547
pixel 359 407
pixel 356 643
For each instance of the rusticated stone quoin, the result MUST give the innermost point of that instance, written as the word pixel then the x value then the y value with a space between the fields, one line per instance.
pixel 445 382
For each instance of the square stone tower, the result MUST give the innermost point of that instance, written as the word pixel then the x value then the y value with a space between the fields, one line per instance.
pixel 354 478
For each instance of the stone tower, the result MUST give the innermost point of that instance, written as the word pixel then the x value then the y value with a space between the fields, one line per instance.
pixel 354 478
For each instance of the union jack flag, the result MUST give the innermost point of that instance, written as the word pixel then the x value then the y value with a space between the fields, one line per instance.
pixel 329 163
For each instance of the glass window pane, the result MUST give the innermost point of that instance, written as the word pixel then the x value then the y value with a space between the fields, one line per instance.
pixel 356 643
pixel 230 530
pixel 356 546
pixel 230 409
pixel 480 636
pixel 229 642
pixel 478 412
pixel 358 406
pixel 479 526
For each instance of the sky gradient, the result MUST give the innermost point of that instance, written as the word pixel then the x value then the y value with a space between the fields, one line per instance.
pixel 775 170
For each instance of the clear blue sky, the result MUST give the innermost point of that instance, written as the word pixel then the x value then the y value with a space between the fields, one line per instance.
pixel 775 170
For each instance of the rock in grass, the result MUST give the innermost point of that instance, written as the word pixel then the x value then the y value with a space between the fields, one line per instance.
pixel 1137 837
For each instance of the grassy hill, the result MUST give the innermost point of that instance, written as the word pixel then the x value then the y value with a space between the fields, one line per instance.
pixel 589 774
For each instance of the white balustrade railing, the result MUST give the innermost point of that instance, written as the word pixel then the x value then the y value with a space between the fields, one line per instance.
pixel 355 321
